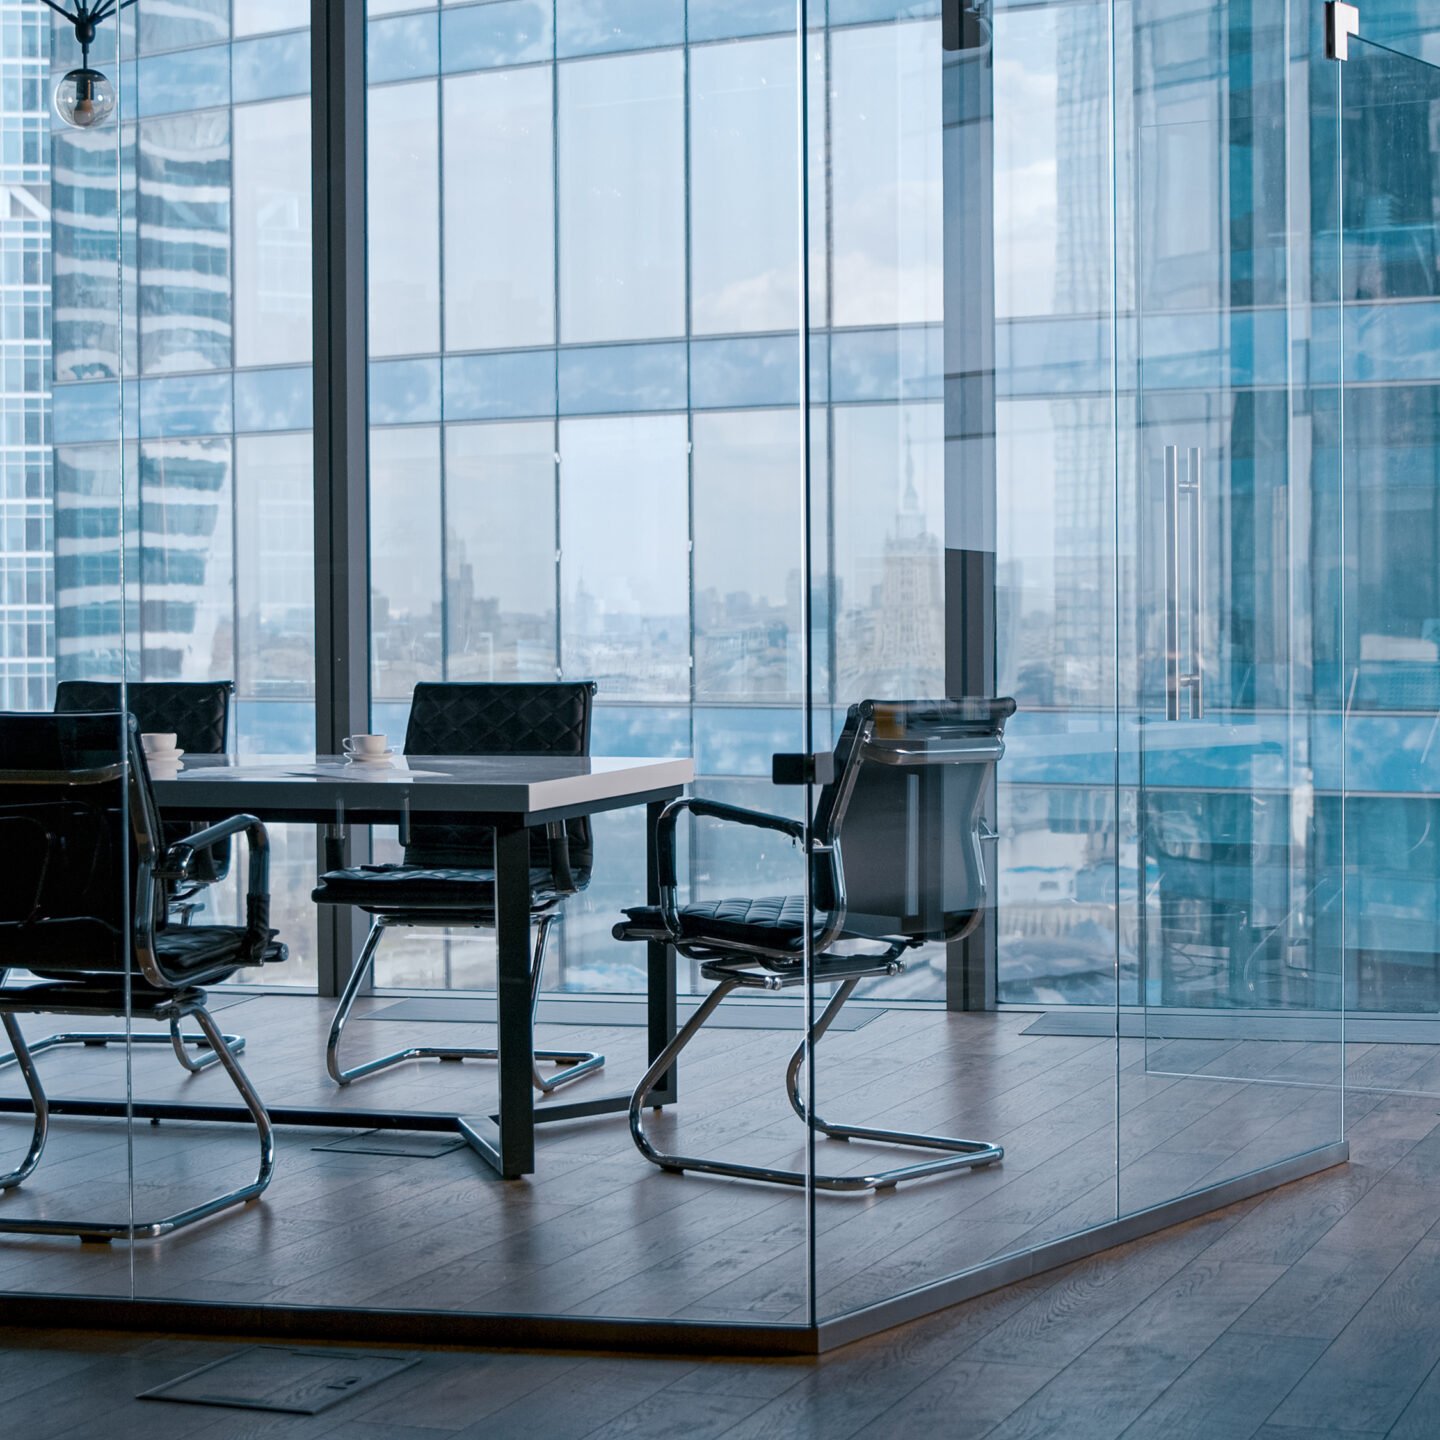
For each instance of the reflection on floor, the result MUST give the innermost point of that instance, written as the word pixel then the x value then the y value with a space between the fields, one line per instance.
pixel 597 1231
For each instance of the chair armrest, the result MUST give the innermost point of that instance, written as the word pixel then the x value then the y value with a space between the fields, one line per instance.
pixel 711 810
pixel 181 855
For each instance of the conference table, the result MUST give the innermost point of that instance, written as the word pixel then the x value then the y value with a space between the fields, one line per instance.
pixel 508 794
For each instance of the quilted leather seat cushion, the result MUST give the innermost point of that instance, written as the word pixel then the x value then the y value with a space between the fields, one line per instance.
pixel 775 921
pixel 415 887
pixel 193 954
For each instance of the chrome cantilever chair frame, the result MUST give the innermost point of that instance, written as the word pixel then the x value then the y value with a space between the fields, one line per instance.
pixel 426 723
pixel 183 903
pixel 734 964
pixel 577 1063
pixel 177 1002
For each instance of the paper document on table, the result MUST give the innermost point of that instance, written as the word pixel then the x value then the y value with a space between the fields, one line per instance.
pixel 362 771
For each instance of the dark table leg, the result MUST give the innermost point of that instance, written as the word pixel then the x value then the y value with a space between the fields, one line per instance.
pixel 660 965
pixel 512 1149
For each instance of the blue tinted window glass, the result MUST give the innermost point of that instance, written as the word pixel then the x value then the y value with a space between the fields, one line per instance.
pixel 404 391
pixel 86 412
pixel 519 385
pixel 640 730
pixel 271 727
pixel 1053 357
pixel 515 32
pixel 725 19
pixel 186 405
pixel 740 741
pixel 266 69
pixel 725 374
pixel 274 399
pixel 191 80
pixel 166 27
pixel 906 364
pixel 603 379
pixel 592 27
pixel 390 718
pixel 854 12
pixel 402 48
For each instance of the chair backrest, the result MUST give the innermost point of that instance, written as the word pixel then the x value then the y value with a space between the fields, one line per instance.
pixel 903 816
pixel 197 711
pixel 79 833
pixel 499 719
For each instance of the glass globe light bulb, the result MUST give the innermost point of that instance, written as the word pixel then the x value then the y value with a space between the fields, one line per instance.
pixel 84 98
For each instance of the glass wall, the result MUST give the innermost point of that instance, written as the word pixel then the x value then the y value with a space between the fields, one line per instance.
pixel 1061 287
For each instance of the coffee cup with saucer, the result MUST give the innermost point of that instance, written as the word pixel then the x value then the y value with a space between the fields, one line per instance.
pixel 367 748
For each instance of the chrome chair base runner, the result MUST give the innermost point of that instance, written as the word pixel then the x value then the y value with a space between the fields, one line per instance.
pixel 577 1063
pixel 98 1039
pixel 223 1054
pixel 956 1154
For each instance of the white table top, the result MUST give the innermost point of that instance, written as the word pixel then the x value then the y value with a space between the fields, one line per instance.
pixel 514 785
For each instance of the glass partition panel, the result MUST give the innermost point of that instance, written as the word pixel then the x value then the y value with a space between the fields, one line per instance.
pixel 66 780
pixel 1232 1060
pixel 218 498
pixel 971 839
pixel 585 442
pixel 1389 174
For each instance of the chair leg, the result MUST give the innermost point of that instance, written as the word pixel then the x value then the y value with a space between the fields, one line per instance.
pixel 578 1064
pixel 98 1039
pixel 155 1229
pixel 964 1154
pixel 24 1059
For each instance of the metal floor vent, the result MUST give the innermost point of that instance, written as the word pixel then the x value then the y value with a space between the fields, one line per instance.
pixel 409 1145
pixel 273 1377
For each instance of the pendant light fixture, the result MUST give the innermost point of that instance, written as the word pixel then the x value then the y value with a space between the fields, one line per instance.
pixel 84 98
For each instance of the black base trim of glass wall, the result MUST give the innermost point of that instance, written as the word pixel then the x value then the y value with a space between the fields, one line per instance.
pixel 559 1332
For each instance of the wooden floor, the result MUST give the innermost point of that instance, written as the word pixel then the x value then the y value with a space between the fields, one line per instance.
pixel 1309 1311
pixel 597 1231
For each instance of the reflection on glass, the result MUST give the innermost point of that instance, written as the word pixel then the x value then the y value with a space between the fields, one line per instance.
pixel 183 219
pixel 624 561
pixel 622 197
pixel 275 565
pixel 743 218
pixel 402 219
pixel 886 180
pixel 500 552
pixel 499 277
pixel 747 555
pixel 272 233
pixel 889 565
pixel 406 574
pixel 187 580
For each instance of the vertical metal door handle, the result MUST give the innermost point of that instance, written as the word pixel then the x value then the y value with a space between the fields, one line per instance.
pixel 1196 677
pixel 1172 582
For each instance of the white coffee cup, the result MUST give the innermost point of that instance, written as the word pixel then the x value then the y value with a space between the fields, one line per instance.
pixel 159 742
pixel 373 745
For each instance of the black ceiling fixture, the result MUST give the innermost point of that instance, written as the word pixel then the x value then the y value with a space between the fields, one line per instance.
pixel 84 98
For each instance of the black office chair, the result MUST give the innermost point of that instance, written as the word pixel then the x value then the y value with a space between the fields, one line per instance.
pixel 199 714
pixel 448 876
pixel 896 860
pixel 83 891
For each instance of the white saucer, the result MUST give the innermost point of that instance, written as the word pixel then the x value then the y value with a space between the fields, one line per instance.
pixel 166 767
pixel 163 757
pixel 383 756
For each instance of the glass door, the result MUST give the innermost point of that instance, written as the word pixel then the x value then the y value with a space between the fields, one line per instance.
pixel 1389 437
pixel 1229 523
